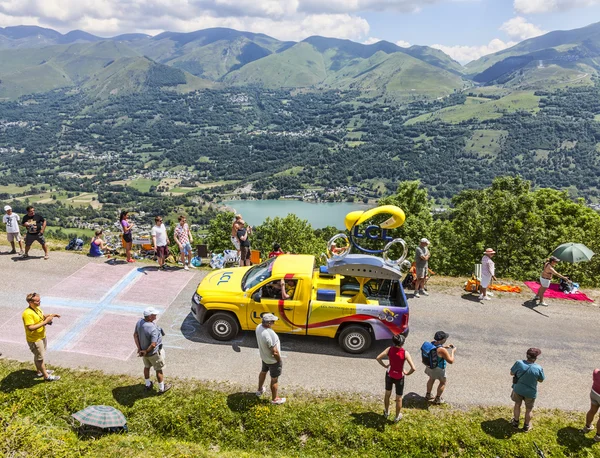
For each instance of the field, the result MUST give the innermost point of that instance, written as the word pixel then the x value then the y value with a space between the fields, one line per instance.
pixel 486 142
pixel 143 184
pixel 14 189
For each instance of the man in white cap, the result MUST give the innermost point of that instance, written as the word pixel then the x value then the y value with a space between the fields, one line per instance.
pixel 422 256
pixel 148 339
pixel 270 354
pixel 488 270
pixel 13 233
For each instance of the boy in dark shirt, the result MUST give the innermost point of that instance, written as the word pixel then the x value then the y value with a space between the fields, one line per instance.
pixel 35 226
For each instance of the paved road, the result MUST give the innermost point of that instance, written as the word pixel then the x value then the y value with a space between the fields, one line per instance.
pixel 489 337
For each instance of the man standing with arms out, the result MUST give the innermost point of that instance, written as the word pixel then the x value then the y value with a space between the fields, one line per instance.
pixel 270 354
pixel 35 323
pixel 438 357
pixel 184 239
pixel 243 235
pixel 488 270
pixel 148 340
pixel 12 229
pixel 526 375
pixel 35 225
pixel 422 256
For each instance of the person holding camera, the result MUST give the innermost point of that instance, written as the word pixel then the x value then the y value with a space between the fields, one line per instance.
pixel 526 376
pixel 35 323
pixel 243 235
pixel 148 340
pixel 444 357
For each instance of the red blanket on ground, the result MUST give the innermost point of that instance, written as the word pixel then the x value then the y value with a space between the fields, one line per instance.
pixel 555 293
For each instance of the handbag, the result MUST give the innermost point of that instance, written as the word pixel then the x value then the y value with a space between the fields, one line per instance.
pixel 516 378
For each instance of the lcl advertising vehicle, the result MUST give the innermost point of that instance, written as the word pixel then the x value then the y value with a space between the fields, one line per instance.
pixel 356 298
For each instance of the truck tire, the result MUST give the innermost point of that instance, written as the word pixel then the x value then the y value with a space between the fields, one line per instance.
pixel 222 326
pixel 355 339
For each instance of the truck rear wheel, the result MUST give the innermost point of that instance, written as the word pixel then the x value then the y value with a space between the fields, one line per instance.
pixel 355 339
pixel 222 326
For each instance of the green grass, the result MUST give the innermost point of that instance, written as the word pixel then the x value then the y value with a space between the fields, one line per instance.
pixel 143 184
pixel 486 142
pixel 14 189
pixel 292 171
pixel 197 419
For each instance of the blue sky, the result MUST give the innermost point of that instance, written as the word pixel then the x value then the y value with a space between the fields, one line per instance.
pixel 465 29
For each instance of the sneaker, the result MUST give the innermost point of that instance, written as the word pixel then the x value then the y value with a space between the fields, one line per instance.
pixel 260 392
pixel 480 297
pixel 398 418
pixel 386 414
pixel 429 397
pixel 186 267
pixel 46 257
pixel 586 429
pixel 278 401
pixel 424 293
pixel 52 378
pixel 597 438
pixel 416 295
pixel 25 255
pixel 167 387
pixel 527 428
pixel 149 387
pixel 489 293
pixel 12 252
pixel 544 304
pixel 514 423
pixel 192 266
pixel 49 372
pixel 439 401
pixel 487 298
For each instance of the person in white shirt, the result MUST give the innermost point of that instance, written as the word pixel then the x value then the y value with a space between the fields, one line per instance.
pixel 270 354
pixel 160 240
pixel 13 233
pixel 488 271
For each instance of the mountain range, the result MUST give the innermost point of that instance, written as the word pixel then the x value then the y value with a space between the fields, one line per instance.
pixel 36 59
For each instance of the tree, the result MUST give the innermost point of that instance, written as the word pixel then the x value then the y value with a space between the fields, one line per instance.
pixel 295 235
pixel 219 232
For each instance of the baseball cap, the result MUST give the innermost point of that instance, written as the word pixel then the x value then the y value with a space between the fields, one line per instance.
pixel 440 335
pixel 150 311
pixel 7 207
pixel 534 352
pixel 424 240
pixel 269 317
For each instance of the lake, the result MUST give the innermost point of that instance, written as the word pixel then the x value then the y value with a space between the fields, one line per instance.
pixel 318 214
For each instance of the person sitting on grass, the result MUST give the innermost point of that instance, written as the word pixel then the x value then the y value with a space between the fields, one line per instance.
pixel 97 245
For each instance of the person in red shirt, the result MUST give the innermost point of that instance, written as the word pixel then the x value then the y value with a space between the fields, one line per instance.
pixel 395 373
pixel 276 251
pixel 595 400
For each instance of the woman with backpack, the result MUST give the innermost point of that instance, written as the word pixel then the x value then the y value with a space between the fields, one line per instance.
pixel 395 373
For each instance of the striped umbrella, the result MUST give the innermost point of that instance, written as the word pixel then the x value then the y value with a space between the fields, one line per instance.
pixel 101 417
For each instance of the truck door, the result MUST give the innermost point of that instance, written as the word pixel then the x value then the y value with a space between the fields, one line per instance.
pixel 272 301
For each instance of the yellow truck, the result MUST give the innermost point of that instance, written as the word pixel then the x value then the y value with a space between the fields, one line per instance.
pixel 356 299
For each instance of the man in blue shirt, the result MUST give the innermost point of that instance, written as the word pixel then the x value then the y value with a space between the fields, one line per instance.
pixel 526 375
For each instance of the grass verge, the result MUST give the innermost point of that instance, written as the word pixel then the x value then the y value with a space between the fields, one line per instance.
pixel 197 419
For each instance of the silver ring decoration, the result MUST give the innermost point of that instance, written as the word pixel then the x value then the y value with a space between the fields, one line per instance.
pixel 391 262
pixel 405 266
pixel 341 251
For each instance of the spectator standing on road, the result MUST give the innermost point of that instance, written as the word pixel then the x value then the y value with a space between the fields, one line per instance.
pixel 235 226
pixel 97 245
pixel 488 271
pixel 35 225
pixel 595 400
pixel 126 227
pixel 526 375
pixel 13 234
pixel 160 240
pixel 35 323
pixel 546 278
pixel 184 239
pixel 243 235
pixel 395 374
pixel 422 256
pixel 270 354
pixel 444 357
pixel 148 340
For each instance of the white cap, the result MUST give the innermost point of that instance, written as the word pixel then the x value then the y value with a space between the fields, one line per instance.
pixel 150 311
pixel 424 240
pixel 269 317
pixel 7 207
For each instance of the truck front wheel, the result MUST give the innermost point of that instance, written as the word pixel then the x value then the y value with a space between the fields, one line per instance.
pixel 355 339
pixel 222 326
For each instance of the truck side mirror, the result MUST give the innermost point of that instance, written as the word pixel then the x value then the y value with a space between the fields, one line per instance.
pixel 257 296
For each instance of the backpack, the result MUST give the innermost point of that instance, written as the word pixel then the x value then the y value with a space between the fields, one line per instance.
pixel 408 281
pixel 429 355
pixel 564 286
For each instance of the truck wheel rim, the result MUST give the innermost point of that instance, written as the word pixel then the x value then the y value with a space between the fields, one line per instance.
pixel 355 341
pixel 222 328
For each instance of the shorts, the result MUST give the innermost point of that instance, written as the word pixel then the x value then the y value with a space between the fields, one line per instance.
pixel 436 373
pixel 162 251
pixel 274 370
pixel 128 237
pixel 545 282
pixel 245 253
pixel 398 383
pixel 421 272
pixel 156 361
pixel 38 348
pixel 186 248
pixel 30 238
pixel 529 402
pixel 13 236
pixel 486 280
pixel 595 398
pixel 236 242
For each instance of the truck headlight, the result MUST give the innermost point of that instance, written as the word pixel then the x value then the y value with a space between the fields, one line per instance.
pixel 196 298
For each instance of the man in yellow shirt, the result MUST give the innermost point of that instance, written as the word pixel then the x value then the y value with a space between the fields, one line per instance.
pixel 35 323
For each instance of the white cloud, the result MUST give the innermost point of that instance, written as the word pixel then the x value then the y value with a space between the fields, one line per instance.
pixel 349 6
pixel 403 44
pixel 519 29
pixel 371 41
pixel 465 54
pixel 546 6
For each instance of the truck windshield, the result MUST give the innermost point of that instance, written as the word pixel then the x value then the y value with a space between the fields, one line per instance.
pixel 257 274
